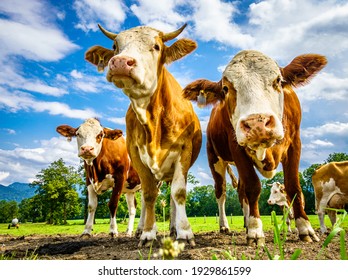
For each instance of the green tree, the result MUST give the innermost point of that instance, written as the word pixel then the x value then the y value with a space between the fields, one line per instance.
pixel 56 188
pixel 8 210
pixel 337 157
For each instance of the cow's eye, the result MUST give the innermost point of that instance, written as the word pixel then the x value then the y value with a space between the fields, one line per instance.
pixel 277 84
pixel 156 47
pixel 115 48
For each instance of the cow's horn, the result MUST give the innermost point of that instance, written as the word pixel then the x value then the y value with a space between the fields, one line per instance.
pixel 169 36
pixel 108 34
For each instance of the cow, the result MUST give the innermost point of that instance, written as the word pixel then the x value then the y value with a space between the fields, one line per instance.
pixel 14 223
pixel 330 183
pixel 255 122
pixel 279 197
pixel 107 166
pixel 163 132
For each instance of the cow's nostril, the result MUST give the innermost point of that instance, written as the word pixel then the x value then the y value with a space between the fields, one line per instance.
pixel 245 126
pixel 270 123
pixel 130 62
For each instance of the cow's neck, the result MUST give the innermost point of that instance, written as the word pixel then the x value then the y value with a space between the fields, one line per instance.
pixel 155 109
pixel 91 172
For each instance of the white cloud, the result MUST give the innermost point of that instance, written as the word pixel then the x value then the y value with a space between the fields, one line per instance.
pixel 3 175
pixel 22 164
pixel 10 131
pixel 86 86
pixel 29 31
pixel 326 86
pixel 205 176
pixel 163 15
pixel 120 121
pixel 213 20
pixel 110 13
pixel 11 76
pixel 279 25
pixel 76 74
pixel 334 128
pixel 17 101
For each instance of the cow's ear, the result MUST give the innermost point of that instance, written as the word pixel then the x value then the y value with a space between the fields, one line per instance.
pixel 304 67
pixel 66 131
pixel 204 92
pixel 99 57
pixel 179 49
pixel 112 134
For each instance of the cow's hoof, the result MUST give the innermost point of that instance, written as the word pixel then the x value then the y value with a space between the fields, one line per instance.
pixel 145 243
pixel 138 233
pixel 191 241
pixel 113 234
pixel 85 235
pixel 259 241
pixel 224 230
pixel 172 233
pixel 306 238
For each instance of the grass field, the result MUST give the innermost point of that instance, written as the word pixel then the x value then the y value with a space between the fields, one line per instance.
pixel 199 224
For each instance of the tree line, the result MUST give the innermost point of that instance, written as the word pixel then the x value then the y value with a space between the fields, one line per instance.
pixel 61 195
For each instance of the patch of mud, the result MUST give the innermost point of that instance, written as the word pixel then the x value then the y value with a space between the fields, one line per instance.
pixel 209 244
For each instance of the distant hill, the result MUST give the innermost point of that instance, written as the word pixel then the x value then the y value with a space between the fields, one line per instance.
pixel 16 192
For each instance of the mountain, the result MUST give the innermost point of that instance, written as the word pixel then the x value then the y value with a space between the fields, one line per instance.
pixel 16 192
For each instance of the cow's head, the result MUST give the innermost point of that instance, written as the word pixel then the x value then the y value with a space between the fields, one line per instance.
pixel 252 88
pixel 90 137
pixel 137 57
pixel 277 195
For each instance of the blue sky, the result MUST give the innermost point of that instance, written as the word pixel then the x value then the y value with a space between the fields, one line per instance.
pixel 45 81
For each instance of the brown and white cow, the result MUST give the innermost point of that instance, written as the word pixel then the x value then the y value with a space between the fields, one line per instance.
pixel 279 197
pixel 107 166
pixel 330 183
pixel 255 122
pixel 163 132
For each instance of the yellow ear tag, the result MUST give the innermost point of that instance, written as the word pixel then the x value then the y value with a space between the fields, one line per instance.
pixel 101 65
pixel 202 99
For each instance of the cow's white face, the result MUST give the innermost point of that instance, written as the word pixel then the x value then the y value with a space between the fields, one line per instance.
pixel 253 85
pixel 135 63
pixel 277 195
pixel 89 140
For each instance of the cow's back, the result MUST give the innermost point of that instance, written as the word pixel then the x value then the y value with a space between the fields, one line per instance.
pixel 337 172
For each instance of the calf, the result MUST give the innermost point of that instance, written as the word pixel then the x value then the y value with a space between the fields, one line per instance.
pixel 279 197
pixel 255 122
pixel 107 166
pixel 330 183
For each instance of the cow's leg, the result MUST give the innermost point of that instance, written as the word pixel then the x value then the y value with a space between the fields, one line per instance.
pixel 293 187
pixel 130 197
pixel 172 227
pixel 178 194
pixel 218 170
pixel 321 216
pixel 249 189
pixel 252 189
pixel 332 216
pixel 140 227
pixel 92 206
pixel 113 203
pixel 150 193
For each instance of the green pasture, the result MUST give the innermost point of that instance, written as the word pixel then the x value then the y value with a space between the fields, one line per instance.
pixel 198 224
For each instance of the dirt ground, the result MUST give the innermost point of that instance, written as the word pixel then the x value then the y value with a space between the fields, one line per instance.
pixel 102 247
